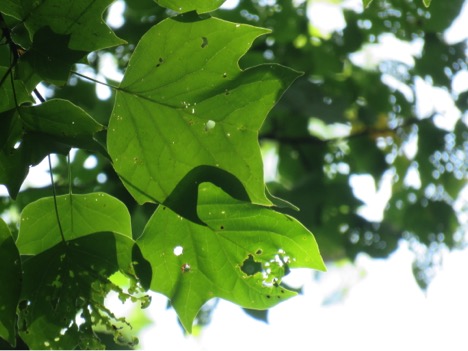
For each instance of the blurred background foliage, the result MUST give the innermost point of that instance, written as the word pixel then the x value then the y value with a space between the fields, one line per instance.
pixel 382 102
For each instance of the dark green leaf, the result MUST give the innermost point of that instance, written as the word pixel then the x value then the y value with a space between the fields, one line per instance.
pixel 63 121
pixel 201 6
pixel 240 254
pixel 50 57
pixel 67 281
pixel 10 281
pixel 442 14
pixel 79 215
pixel 181 96
pixel 12 95
pixel 81 19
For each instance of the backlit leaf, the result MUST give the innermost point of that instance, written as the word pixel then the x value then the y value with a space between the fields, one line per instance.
pixel 180 97
pixel 240 254
pixel 50 57
pixel 63 121
pixel 79 215
pixel 10 281
pixel 81 19
pixel 201 6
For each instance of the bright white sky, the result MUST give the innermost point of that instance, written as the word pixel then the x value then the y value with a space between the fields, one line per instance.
pixel 377 304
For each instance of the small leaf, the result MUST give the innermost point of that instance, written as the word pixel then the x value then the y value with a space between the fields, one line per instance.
pixel 68 281
pixel 239 254
pixel 181 6
pixel 427 3
pixel 79 215
pixel 366 3
pixel 82 20
pixel 180 97
pixel 10 281
pixel 12 95
pixel 64 121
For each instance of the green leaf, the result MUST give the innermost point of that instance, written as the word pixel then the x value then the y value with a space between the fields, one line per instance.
pixel 367 2
pixel 67 281
pixel 64 121
pixel 201 6
pixel 81 19
pixel 180 97
pixel 10 281
pixel 239 254
pixel 30 133
pixel 79 215
pixel 50 57
pixel 12 95
pixel 427 3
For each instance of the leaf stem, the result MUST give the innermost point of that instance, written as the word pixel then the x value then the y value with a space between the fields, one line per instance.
pixel 95 80
pixel 54 192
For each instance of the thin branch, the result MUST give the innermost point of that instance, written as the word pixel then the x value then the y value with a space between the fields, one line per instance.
pixel 313 140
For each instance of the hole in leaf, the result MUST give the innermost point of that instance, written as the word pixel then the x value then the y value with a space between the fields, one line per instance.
pixel 178 250
pixel 222 227
pixel 250 266
pixel 259 252
pixel 160 61
pixel 204 42
pixel 224 75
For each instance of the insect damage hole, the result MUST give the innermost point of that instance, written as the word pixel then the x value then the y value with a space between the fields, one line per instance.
pixel 204 43
pixel 250 266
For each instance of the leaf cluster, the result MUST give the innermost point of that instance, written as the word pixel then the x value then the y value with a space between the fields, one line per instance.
pixel 176 198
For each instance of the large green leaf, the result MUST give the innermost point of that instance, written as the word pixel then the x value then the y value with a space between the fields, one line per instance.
pixel 10 281
pixel 81 19
pixel 179 97
pixel 201 6
pixel 67 281
pixel 239 254
pixel 79 215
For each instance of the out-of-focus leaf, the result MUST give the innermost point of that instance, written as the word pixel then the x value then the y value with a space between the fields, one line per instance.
pixel 442 14
pixel 10 281
pixel 200 6
pixel 79 215
pixel 180 97
pixel 439 60
pixel 366 157
pixel 240 254
pixel 366 2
